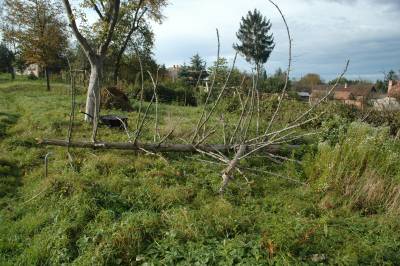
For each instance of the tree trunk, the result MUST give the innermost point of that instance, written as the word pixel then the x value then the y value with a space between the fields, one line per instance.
pixel 117 69
pixel 47 74
pixel 93 93
pixel 12 72
pixel 155 147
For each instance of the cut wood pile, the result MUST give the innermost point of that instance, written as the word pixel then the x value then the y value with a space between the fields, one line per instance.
pixel 114 98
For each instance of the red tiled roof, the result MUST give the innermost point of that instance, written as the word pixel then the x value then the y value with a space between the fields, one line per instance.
pixel 342 92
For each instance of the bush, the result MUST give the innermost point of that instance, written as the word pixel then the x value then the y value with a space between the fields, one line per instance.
pixel 31 76
pixel 179 95
pixel 387 118
pixel 231 104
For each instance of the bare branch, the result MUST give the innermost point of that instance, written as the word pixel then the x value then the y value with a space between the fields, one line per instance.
pixel 114 10
pixel 327 95
pixel 287 71
pixel 220 94
pixel 209 91
pixel 97 9
pixel 72 23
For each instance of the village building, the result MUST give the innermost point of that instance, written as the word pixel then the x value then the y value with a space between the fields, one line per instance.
pixel 32 70
pixel 173 72
pixel 391 100
pixel 394 89
pixel 354 95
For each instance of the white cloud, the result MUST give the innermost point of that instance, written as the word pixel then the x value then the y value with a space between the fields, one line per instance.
pixel 325 33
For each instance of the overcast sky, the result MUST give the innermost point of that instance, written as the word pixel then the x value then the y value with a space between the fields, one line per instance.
pixel 325 34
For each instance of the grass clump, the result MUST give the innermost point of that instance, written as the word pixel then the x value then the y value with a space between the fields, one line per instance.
pixel 361 171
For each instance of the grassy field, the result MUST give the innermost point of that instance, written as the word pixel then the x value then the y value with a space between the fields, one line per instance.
pixel 126 208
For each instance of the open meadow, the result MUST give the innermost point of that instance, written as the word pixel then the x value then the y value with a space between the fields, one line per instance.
pixel 336 201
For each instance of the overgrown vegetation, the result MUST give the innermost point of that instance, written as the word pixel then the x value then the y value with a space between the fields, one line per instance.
pixel 127 208
pixel 360 171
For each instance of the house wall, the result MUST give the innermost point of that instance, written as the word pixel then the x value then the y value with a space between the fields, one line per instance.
pixel 33 69
pixel 394 89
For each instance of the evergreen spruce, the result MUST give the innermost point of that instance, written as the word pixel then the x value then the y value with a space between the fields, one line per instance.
pixel 197 69
pixel 256 44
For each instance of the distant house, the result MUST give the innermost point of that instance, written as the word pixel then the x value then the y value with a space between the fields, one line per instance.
pixel 319 92
pixel 354 95
pixel 394 89
pixel 32 69
pixel 389 101
pixel 173 72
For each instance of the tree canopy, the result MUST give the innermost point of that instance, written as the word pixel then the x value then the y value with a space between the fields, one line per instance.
pixel 309 81
pixel 37 29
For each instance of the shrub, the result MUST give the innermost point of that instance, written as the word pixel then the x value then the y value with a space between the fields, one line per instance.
pixel 179 95
pixel 387 118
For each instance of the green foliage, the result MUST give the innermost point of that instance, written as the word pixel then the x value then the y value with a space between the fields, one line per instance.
pixel 9 178
pixel 347 81
pixel 170 92
pixel 386 118
pixel 7 59
pixel 333 128
pixel 382 85
pixel 256 44
pixel 6 120
pixel 37 30
pixel 274 83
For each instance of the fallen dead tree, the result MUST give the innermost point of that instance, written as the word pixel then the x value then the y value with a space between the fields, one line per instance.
pixel 154 147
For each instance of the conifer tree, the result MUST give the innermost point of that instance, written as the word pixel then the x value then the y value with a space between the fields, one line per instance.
pixel 256 44
pixel 195 71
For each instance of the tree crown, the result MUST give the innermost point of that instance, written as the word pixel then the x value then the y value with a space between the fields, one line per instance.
pixel 255 42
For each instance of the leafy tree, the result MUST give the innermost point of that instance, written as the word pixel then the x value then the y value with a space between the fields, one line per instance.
pixel 256 44
pixel 7 59
pixel 38 30
pixel 349 81
pixel 95 49
pixel 309 81
pixel 126 66
pixel 381 86
pixel 222 70
pixel 274 83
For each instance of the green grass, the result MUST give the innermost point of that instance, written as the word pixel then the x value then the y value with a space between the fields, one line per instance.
pixel 126 208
